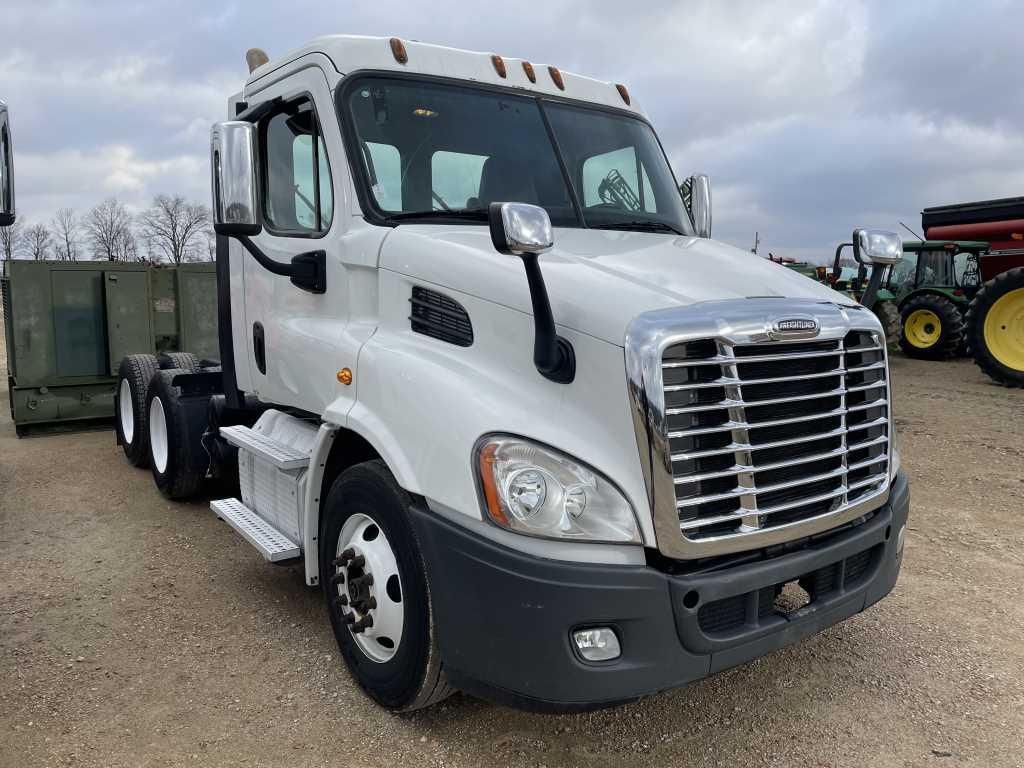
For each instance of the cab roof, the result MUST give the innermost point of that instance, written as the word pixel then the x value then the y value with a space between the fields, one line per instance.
pixel 928 245
pixel 352 53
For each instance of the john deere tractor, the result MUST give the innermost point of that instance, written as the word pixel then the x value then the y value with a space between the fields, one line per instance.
pixel 933 287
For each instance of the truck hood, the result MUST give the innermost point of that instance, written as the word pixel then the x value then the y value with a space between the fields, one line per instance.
pixel 597 280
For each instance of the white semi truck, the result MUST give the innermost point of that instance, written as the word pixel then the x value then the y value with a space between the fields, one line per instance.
pixel 486 378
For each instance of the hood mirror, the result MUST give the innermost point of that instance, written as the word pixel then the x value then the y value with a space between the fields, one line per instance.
pixel 233 162
pixel 696 192
pixel 7 213
pixel 523 230
pixel 877 246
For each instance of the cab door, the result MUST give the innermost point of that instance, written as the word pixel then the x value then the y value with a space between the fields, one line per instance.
pixel 297 341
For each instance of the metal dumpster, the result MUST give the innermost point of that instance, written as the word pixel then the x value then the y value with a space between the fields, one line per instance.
pixel 68 324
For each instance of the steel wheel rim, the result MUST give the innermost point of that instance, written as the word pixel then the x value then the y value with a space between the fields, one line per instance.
pixel 126 409
pixel 1004 329
pixel 362 537
pixel 158 435
pixel 923 328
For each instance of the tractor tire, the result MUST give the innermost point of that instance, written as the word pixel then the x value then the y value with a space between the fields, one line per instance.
pixel 171 446
pixel 133 376
pixel 888 315
pixel 931 327
pixel 995 328
pixel 186 361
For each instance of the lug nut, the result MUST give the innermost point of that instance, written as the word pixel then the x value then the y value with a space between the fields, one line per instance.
pixel 357 562
pixel 338 578
pixel 362 625
pixel 349 618
pixel 341 600
pixel 362 581
pixel 344 557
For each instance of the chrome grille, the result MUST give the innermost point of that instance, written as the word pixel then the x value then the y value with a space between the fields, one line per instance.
pixel 769 434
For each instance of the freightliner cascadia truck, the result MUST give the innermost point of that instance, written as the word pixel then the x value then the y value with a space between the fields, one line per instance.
pixel 488 382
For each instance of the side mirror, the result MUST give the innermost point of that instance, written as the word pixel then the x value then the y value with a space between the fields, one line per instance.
pixel 519 228
pixel 7 211
pixel 522 230
pixel 233 164
pixel 700 204
pixel 877 246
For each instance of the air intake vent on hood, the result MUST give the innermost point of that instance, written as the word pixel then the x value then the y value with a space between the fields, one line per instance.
pixel 437 315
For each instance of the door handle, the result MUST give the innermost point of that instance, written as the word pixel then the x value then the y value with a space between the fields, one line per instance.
pixel 259 348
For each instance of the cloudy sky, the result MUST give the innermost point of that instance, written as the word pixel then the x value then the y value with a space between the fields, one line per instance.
pixel 811 118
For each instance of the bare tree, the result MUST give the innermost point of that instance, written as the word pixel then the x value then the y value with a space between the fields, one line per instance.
pixel 175 227
pixel 108 227
pixel 37 241
pixel 11 239
pixel 65 234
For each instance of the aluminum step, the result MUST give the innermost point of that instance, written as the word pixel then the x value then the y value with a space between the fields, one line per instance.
pixel 280 455
pixel 270 542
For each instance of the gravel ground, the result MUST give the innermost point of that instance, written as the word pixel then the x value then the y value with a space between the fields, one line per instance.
pixel 138 632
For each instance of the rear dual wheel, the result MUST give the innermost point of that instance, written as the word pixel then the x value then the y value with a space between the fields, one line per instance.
pixel 176 470
pixel 995 328
pixel 133 377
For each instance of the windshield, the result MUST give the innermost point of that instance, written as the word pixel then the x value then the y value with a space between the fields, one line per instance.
pixel 438 152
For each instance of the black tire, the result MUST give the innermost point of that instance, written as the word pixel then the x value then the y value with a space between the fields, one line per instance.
pixel 170 445
pixel 134 374
pixel 413 678
pixel 947 337
pixel 184 361
pixel 888 315
pixel 991 292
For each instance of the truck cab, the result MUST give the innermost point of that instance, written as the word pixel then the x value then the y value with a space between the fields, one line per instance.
pixel 485 376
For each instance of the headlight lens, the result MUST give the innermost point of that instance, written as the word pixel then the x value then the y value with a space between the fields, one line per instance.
pixel 529 488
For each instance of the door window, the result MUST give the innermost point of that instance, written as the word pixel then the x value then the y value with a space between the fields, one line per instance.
pixel 297 196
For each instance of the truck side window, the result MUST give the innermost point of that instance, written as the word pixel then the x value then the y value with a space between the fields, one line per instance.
pixel 297 192
pixel 618 164
pixel 385 165
pixel 455 178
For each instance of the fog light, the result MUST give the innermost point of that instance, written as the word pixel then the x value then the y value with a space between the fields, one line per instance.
pixel 900 537
pixel 598 644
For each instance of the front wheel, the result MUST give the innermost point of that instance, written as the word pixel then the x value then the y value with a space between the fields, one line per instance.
pixel 933 327
pixel 375 586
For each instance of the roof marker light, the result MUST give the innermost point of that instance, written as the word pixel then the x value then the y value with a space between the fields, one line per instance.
pixel 255 57
pixel 623 92
pixel 530 74
pixel 556 78
pixel 398 51
pixel 499 65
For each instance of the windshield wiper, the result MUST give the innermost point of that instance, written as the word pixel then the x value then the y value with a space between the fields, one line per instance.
pixel 471 214
pixel 646 225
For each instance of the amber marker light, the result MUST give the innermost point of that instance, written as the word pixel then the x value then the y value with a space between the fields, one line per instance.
pixel 490 489
pixel 345 376
pixel 530 74
pixel 623 92
pixel 499 65
pixel 398 50
pixel 556 78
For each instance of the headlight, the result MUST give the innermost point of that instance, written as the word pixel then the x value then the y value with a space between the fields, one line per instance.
pixel 529 488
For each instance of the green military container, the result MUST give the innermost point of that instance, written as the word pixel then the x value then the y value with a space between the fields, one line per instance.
pixel 68 324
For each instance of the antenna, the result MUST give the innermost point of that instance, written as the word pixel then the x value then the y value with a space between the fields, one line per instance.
pixel 757 242
pixel 919 237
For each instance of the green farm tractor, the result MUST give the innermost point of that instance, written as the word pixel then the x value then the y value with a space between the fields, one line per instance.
pixel 933 287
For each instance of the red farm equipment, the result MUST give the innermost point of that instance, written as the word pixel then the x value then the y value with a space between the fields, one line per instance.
pixel 995 320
